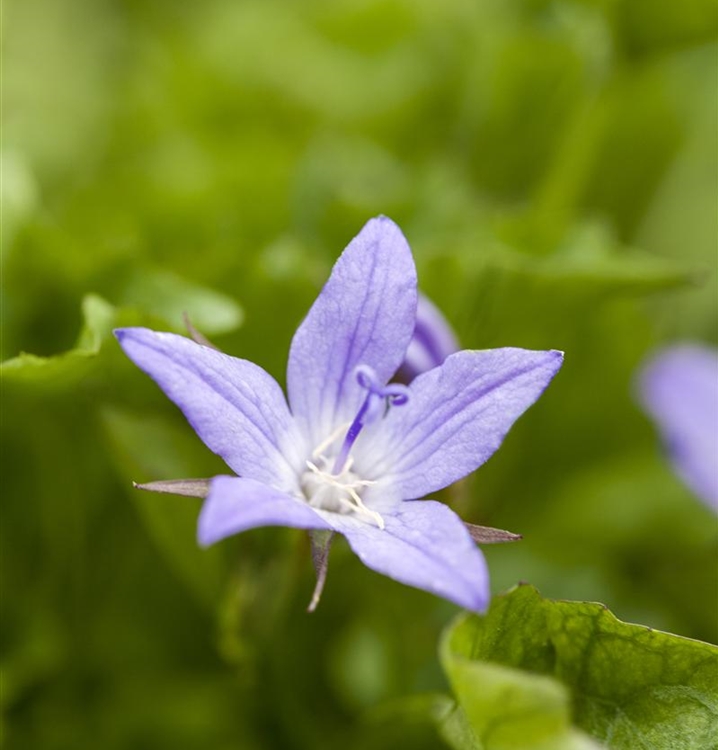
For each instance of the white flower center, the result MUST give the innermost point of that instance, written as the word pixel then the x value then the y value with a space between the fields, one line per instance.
pixel 329 482
pixel 338 493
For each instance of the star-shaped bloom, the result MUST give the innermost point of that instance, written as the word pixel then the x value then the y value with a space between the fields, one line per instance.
pixel 679 389
pixel 349 451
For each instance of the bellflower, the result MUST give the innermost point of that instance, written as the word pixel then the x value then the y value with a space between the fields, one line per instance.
pixel 679 389
pixel 349 451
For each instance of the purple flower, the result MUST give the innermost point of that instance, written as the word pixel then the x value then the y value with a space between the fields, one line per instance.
pixel 432 342
pixel 679 389
pixel 352 452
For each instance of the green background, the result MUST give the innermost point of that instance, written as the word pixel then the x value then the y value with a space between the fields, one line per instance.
pixel 554 167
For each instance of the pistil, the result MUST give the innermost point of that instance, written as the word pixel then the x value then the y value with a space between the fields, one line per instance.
pixel 393 394
pixel 330 482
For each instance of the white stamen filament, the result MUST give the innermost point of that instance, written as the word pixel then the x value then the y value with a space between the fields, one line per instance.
pixel 319 450
pixel 330 483
pixel 348 495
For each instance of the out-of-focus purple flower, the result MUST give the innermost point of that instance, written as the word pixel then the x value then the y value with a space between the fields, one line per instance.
pixel 432 342
pixel 352 452
pixel 679 389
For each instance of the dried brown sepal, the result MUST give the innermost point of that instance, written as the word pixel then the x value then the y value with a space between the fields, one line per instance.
pixel 195 335
pixel 489 535
pixel 186 487
pixel 321 542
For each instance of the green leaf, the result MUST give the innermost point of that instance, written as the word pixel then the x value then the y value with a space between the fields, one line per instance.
pixel 588 256
pixel 68 367
pixel 521 670
pixel 153 298
pixel 500 709
pixel 169 296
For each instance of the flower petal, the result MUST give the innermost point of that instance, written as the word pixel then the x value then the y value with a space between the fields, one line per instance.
pixel 236 408
pixel 679 388
pixel 457 416
pixel 426 545
pixel 432 342
pixel 364 315
pixel 236 504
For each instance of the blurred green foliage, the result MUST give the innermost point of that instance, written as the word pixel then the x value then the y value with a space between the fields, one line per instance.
pixel 554 167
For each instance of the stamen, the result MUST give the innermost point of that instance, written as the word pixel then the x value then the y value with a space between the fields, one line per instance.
pixel 348 495
pixel 360 505
pixel 319 450
pixel 340 490
pixel 393 394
